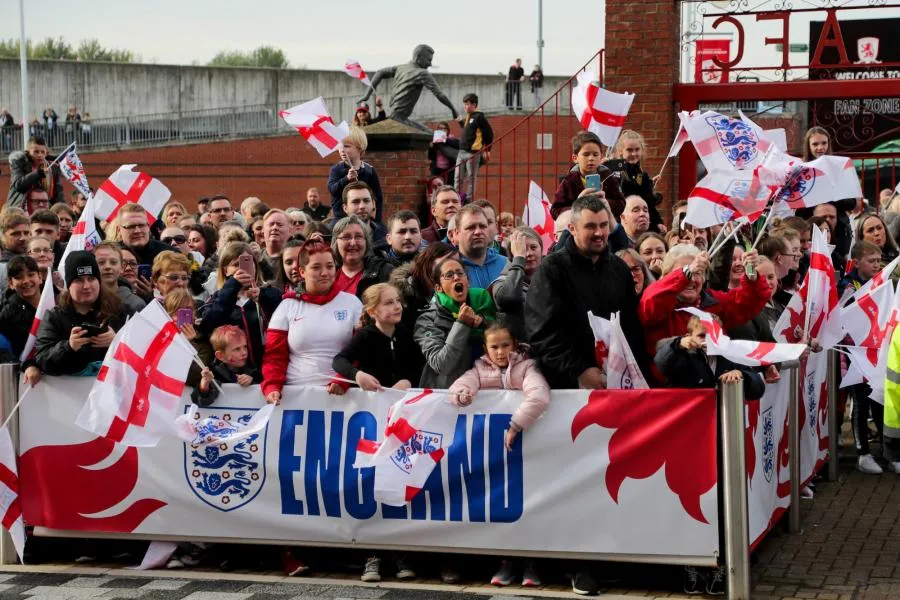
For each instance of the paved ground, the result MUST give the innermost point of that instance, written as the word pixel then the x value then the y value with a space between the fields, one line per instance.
pixel 848 549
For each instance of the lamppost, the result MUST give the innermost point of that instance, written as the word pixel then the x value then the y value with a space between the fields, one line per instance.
pixel 23 51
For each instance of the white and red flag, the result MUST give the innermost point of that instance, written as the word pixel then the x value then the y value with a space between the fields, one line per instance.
pixel 354 70
pixel 127 185
pixel 47 301
pixel 84 235
pixel 72 169
pixel 138 390
pixel 602 329
pixel 10 507
pixel 866 319
pixel 414 443
pixel 203 431
pixel 312 121
pixel 723 142
pixel 537 215
pixel 680 138
pixel 724 196
pixel 599 110
pixel 776 137
pixel 743 352
pixel 814 309
pixel 806 184
pixel 622 370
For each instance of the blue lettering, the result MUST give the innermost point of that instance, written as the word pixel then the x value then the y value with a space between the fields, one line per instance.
pixel 322 469
pixel 434 488
pixel 359 507
pixel 288 462
pixel 463 466
pixel 506 483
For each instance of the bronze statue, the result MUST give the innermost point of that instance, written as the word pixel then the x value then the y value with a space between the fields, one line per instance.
pixel 409 79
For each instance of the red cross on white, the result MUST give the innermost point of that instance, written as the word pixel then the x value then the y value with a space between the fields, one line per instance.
pixel 129 186
pixel 743 352
pixel 537 215
pixel 47 301
pixel 312 121
pixel 138 389
pixel 354 70
pixel 10 507
pixel 599 110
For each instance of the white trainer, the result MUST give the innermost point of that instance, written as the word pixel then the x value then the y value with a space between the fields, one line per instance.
pixel 866 464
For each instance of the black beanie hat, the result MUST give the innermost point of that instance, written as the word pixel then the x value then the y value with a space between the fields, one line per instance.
pixel 80 263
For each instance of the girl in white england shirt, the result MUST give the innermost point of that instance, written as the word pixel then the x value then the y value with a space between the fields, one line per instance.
pixel 309 327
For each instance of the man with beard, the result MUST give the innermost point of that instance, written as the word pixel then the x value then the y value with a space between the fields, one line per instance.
pixel 444 204
pixel 404 237
pixel 483 264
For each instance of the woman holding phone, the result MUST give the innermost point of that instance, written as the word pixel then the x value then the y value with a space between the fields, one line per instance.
pixel 241 299
pixel 75 334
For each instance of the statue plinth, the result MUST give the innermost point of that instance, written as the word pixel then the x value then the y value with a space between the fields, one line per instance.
pixel 399 153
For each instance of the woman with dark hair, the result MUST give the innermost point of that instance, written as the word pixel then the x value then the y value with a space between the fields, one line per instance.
pixel 287 271
pixel 74 335
pixel 872 228
pixel 19 309
pixel 202 239
pixel 413 279
pixel 317 230
pixel 442 153
pixel 241 299
pixel 451 330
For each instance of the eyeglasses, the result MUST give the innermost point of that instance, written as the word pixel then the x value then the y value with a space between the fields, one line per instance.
pixel 41 251
pixel 129 264
pixel 220 210
pixel 451 275
pixel 178 239
pixel 175 278
pixel 134 226
pixel 352 238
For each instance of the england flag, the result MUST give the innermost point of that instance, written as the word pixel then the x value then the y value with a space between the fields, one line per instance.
pixel 72 169
pixel 125 186
pixel 723 142
pixel 84 235
pixel 743 352
pixel 537 215
pixel 10 507
pixel 599 110
pixel 47 301
pixel 312 121
pixel 354 70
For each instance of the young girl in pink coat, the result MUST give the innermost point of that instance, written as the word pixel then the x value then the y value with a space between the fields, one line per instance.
pixel 504 368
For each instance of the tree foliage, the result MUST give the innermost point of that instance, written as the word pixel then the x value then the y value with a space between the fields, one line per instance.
pixel 264 56
pixel 60 49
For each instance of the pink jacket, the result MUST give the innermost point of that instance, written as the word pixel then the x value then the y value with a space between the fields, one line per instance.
pixel 522 374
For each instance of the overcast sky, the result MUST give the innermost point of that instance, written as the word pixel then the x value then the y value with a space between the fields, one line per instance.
pixel 468 37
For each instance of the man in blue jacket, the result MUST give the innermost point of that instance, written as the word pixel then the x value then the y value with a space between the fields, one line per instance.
pixel 483 264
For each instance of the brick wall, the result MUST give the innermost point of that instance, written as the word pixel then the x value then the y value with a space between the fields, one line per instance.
pixel 642 45
pixel 280 169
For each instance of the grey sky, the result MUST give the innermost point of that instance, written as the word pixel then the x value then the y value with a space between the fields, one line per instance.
pixel 468 37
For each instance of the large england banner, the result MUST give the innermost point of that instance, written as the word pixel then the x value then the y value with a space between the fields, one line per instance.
pixel 813 415
pixel 602 475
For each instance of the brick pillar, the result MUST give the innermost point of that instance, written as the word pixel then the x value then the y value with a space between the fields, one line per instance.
pixel 642 53
pixel 400 155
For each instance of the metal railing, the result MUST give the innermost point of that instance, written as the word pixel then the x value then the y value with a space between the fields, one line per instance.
pixel 534 149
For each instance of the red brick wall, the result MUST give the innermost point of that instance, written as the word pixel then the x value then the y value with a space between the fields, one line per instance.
pixel 642 45
pixel 280 169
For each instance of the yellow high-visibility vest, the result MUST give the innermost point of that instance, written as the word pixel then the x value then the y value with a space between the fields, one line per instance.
pixel 892 389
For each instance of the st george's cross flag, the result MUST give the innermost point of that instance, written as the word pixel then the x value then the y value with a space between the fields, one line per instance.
pixel 47 301
pixel 84 235
pixel 537 215
pixel 125 186
pixel 313 122
pixel 622 370
pixel 725 195
pixel 415 441
pixel 354 70
pixel 723 142
pixel 10 506
pixel 866 319
pixel 138 390
pixel 599 110
pixel 801 184
pixel 743 352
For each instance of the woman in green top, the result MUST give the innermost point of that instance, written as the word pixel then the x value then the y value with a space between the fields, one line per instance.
pixel 450 331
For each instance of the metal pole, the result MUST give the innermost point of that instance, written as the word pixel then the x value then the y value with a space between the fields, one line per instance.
pixel 9 395
pixel 794 450
pixel 734 492
pixel 834 428
pixel 23 62
pixel 540 42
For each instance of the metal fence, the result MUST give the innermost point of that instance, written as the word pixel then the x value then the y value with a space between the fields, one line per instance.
pixel 220 123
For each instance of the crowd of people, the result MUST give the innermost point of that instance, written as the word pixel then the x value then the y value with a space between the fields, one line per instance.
pixel 56 131
pixel 334 292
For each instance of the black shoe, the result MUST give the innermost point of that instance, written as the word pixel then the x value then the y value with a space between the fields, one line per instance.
pixel 694 581
pixel 584 585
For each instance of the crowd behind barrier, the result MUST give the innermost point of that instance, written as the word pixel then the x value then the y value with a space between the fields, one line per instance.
pixel 333 295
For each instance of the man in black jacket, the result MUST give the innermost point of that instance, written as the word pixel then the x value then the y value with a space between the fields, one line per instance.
pixel 580 277
pixel 477 137
pixel 135 235
pixel 29 169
